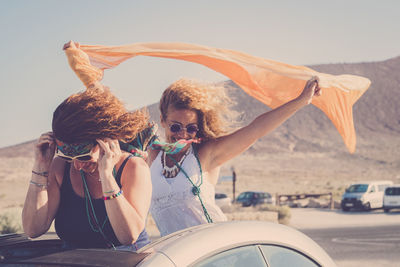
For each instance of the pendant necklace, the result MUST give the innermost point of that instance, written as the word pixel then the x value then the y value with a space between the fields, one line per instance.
pixel 171 172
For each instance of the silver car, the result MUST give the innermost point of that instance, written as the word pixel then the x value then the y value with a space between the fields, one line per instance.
pixel 235 243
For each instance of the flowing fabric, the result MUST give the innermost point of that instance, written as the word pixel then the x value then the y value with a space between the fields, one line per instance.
pixel 173 148
pixel 271 82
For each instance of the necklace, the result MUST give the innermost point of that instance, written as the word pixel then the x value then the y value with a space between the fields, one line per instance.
pixel 90 212
pixel 171 172
pixel 195 188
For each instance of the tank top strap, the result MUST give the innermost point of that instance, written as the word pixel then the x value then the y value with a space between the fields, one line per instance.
pixel 121 168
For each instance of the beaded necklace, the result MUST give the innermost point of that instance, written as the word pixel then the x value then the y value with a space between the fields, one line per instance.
pixel 170 172
pixel 195 188
pixel 91 214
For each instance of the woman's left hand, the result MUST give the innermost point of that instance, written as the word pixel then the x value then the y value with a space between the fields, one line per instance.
pixel 310 90
pixel 71 44
pixel 110 153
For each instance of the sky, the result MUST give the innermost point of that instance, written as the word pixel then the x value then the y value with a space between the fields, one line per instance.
pixel 35 76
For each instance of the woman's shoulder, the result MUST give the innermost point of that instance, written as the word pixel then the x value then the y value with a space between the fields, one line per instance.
pixel 204 149
pixel 133 161
pixel 134 168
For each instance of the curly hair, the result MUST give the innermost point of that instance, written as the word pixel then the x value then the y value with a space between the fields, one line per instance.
pixel 96 113
pixel 208 101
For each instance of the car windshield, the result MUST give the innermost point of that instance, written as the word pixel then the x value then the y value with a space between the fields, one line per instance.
pixel 245 195
pixel 392 191
pixel 357 188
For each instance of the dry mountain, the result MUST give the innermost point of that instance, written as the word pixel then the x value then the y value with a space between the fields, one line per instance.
pixel 306 154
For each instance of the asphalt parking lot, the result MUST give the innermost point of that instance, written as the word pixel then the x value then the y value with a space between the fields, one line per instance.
pixel 308 218
pixel 357 238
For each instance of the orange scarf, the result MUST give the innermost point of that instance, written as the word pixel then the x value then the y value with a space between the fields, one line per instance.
pixel 271 82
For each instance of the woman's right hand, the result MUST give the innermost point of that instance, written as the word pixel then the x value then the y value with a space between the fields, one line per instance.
pixel 45 149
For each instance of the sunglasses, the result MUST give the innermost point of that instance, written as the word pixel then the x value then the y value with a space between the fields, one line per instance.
pixel 83 157
pixel 79 151
pixel 190 129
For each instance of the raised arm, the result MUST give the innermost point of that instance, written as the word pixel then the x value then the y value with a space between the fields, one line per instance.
pixel 43 194
pixel 224 148
pixel 128 211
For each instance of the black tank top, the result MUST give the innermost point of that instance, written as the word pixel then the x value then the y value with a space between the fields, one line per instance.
pixel 71 221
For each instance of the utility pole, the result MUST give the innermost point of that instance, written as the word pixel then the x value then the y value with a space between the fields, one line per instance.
pixel 233 184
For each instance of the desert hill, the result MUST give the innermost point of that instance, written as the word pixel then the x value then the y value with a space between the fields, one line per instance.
pixel 306 154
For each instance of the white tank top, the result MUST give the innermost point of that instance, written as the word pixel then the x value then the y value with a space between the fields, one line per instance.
pixel 174 207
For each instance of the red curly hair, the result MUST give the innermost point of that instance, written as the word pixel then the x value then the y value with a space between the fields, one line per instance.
pixel 96 114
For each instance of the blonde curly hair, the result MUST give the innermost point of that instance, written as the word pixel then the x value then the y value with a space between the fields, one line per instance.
pixel 209 101
pixel 96 113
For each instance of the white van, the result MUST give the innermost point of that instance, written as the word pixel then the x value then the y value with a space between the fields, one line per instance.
pixel 391 198
pixel 364 195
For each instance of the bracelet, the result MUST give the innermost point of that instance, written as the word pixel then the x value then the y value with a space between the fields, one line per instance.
pixel 109 192
pixel 44 174
pixel 42 186
pixel 113 195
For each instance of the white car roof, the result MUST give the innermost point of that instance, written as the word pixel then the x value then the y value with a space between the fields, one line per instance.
pixel 205 239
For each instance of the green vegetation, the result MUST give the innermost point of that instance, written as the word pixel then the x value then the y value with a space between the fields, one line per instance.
pixel 260 212
pixel 10 222
pixel 284 214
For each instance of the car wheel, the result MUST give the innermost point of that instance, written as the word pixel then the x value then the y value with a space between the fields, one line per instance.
pixel 386 210
pixel 345 209
pixel 367 207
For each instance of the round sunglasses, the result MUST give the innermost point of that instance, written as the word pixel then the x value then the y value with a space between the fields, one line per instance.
pixel 190 129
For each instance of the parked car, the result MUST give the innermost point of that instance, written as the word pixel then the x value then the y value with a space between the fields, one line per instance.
pixel 253 198
pixel 364 195
pixel 222 200
pixel 391 198
pixel 234 243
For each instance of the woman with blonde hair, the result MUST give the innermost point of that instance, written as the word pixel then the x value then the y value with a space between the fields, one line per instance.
pixel 193 115
pixel 97 194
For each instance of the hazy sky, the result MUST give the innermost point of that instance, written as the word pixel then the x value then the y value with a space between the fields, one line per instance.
pixel 35 76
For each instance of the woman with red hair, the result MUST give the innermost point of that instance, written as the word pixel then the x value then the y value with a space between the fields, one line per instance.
pixel 97 194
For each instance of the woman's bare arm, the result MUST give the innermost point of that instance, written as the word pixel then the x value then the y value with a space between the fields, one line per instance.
pixel 224 148
pixel 43 196
pixel 127 212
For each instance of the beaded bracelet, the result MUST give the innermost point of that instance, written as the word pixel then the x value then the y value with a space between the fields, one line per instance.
pixel 44 174
pixel 113 195
pixel 42 186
